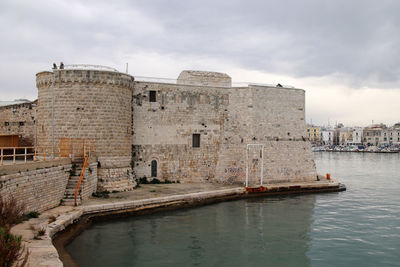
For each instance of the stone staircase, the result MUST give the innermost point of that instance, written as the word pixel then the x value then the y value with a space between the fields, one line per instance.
pixel 69 194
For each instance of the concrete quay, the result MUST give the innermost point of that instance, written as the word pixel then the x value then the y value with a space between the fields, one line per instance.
pixel 146 198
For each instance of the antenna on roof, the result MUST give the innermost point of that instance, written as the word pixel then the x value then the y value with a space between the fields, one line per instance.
pixel 126 68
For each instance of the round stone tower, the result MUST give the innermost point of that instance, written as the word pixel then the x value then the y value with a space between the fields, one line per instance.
pixel 90 102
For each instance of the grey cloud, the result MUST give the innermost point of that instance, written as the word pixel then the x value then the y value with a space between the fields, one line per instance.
pixel 358 39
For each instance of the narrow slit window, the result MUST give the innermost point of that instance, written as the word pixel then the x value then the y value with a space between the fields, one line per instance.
pixel 153 168
pixel 152 96
pixel 196 140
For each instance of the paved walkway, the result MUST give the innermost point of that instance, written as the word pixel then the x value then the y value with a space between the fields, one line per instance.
pixel 146 191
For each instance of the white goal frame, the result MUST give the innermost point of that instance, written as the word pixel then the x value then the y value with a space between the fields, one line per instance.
pixel 247 163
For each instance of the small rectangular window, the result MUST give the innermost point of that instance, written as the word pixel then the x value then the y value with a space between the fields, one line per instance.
pixel 152 96
pixel 6 123
pixel 196 140
pixel 21 123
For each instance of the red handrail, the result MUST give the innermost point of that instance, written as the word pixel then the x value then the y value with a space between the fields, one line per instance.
pixel 85 164
pixel 86 154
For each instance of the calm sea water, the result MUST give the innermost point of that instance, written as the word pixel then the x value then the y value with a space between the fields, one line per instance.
pixel 358 227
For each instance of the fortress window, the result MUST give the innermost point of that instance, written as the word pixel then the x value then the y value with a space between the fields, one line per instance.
pixel 152 96
pixel 196 140
pixel 21 123
pixel 6 123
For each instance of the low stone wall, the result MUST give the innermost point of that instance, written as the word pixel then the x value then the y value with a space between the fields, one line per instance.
pixel 115 174
pixel 89 184
pixel 38 187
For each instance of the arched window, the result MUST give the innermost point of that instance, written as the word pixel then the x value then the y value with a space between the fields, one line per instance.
pixel 154 168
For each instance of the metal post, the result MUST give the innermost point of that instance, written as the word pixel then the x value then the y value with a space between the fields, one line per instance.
pixel 1 156
pixel 25 155
pixel 35 124
pixel 247 165
pixel 14 155
pixel 52 114
pixel 262 163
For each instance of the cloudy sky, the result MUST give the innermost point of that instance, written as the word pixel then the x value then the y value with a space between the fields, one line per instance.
pixel 345 54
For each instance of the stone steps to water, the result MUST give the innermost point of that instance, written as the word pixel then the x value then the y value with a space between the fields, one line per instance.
pixel 69 194
pixel 71 201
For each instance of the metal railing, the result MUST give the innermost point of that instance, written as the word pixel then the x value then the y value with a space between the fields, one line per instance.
pixel 88 67
pixel 14 155
pixel 234 84
pixel 74 148
pixel 87 149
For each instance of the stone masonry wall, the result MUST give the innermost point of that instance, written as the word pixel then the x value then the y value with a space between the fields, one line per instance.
pixel 89 183
pixel 114 175
pixel 272 117
pixel 40 189
pixel 163 130
pixel 227 119
pixel 19 120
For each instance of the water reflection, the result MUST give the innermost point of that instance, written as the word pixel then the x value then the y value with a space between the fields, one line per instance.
pixel 257 232
pixel 359 227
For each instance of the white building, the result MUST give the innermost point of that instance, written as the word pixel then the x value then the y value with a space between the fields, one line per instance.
pixel 394 134
pixel 327 135
pixel 356 136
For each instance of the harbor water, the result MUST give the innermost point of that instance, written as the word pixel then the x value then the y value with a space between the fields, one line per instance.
pixel 357 227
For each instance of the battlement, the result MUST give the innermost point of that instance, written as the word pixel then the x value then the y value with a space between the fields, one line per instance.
pixel 82 75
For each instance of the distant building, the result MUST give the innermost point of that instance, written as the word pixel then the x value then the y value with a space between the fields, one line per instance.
pixel 17 120
pixel 314 134
pixel 394 134
pixel 375 135
pixel 327 135
pixel 357 136
pixel 345 136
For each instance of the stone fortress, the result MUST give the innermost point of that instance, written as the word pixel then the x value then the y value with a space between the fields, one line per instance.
pixel 195 129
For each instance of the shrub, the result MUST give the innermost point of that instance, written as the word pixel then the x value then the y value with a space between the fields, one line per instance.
pixel 10 211
pixel 11 249
pixel 104 194
pixel 155 181
pixel 143 180
pixel 39 232
pixel 52 218
pixel 32 214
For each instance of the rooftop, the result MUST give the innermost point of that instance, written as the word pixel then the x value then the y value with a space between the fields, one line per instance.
pixel 15 102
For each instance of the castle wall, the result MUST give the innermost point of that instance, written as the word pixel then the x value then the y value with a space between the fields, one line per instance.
pixel 163 130
pixel 19 119
pixel 227 119
pixel 272 117
pixel 90 104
